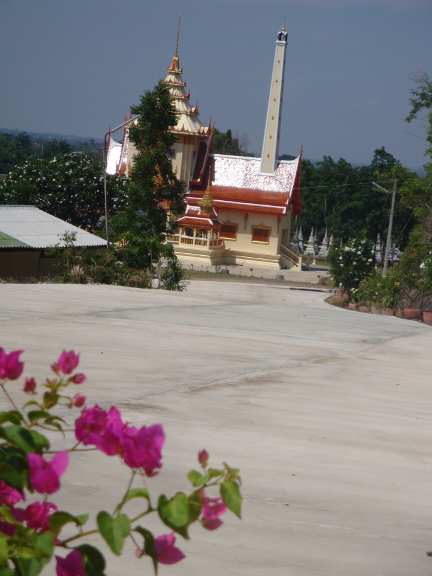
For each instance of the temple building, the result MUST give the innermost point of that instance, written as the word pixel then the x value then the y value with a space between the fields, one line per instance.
pixel 238 210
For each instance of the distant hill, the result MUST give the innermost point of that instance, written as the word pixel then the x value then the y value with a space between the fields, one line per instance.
pixel 70 139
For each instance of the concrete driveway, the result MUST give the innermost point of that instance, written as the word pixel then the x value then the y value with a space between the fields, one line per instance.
pixel 326 412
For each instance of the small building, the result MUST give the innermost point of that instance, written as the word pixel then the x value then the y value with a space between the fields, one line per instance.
pixel 252 200
pixel 25 234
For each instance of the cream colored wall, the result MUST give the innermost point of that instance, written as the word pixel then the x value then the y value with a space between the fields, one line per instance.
pixel 184 160
pixel 243 242
pixel 285 225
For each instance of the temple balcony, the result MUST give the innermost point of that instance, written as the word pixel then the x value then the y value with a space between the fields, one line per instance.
pixel 195 240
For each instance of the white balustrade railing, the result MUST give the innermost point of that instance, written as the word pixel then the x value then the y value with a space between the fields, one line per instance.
pixel 194 240
pixel 295 258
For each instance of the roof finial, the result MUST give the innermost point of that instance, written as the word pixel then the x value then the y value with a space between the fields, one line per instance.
pixel 283 25
pixel 177 40
pixel 175 61
pixel 206 204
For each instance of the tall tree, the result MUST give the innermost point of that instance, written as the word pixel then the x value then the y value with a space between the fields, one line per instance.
pixel 14 150
pixel 341 198
pixel 417 191
pixel 155 192
pixel 68 186
pixel 226 143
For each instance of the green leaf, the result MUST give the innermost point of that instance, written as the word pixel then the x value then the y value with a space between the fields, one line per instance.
pixel 26 552
pixel 196 478
pixel 149 547
pixel 32 403
pixel 35 415
pixel 12 416
pixel 133 493
pixel 175 513
pixel 213 473
pixel 114 530
pixel 27 440
pixel 94 562
pixel 231 496
pixel 43 551
pixel 4 550
pixel 7 571
pixel 13 467
pixel 51 399
pixel 6 514
pixel 59 519
pixel 195 506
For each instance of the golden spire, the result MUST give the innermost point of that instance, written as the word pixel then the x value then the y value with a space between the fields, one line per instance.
pixel 175 61
pixel 207 204
pixel 178 35
pixel 283 25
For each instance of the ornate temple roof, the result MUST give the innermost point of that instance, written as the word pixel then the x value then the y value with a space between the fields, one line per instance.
pixel 188 121
pixel 238 185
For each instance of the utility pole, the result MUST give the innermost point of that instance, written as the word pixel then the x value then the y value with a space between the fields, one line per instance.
pixel 389 232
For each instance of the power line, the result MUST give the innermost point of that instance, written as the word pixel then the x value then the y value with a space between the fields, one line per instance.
pixel 338 185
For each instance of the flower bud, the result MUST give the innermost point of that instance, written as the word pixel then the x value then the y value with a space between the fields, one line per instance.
pixel 77 401
pixel 203 457
pixel 29 386
pixel 77 378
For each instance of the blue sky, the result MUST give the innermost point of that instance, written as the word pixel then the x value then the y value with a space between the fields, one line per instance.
pixel 75 67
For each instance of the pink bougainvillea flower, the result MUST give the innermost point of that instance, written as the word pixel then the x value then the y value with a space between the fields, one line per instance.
pixel 68 361
pixel 45 476
pixel 78 378
pixel 203 457
pixel 38 515
pixel 78 401
pixel 166 552
pixel 212 509
pixel 102 429
pixel 142 448
pixel 29 386
pixel 72 565
pixel 10 365
pixel 9 495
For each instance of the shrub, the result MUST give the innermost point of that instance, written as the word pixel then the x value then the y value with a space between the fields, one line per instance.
pixel 350 264
pixel 29 534
pixel 174 276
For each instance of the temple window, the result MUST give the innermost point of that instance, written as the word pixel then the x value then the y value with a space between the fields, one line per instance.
pixel 229 231
pixel 261 234
pixel 171 153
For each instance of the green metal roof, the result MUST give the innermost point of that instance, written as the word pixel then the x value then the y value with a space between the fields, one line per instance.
pixel 7 241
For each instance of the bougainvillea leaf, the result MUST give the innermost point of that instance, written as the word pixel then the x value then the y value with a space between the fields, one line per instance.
pixel 231 496
pixel 114 530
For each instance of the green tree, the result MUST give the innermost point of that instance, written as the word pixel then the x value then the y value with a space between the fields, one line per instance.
pixel 155 192
pixel 226 143
pixel 14 150
pixel 69 186
pixel 417 191
pixel 341 198
pixel 54 148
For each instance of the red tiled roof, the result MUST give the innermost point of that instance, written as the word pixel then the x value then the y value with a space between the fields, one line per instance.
pixel 243 200
pixel 199 222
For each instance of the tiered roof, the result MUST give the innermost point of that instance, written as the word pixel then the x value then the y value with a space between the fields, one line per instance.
pixel 188 121
pixel 202 214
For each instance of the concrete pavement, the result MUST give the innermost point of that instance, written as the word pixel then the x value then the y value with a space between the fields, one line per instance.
pixel 326 411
